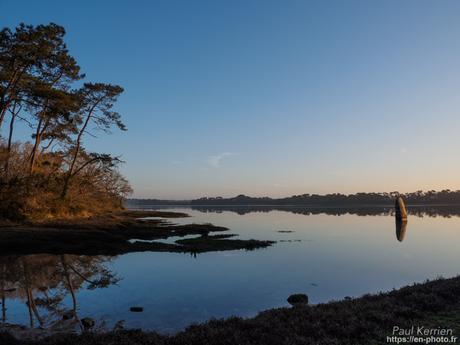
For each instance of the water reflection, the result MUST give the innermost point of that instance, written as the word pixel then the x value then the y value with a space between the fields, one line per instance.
pixel 358 252
pixel 413 210
pixel 42 282
pixel 401 228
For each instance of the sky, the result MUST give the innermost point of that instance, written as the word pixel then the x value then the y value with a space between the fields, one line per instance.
pixel 271 98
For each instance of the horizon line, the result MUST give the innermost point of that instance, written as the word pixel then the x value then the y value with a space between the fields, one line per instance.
pixel 290 196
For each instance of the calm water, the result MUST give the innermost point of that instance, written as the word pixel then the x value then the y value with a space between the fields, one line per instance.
pixel 325 256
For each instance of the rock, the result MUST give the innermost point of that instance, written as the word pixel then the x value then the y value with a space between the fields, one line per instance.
pixel 136 309
pixel 87 322
pixel 298 299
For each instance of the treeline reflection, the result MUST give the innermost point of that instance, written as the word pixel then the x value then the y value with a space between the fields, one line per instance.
pixel 43 282
pixel 418 211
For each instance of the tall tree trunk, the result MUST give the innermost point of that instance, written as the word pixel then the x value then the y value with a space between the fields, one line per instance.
pixel 38 136
pixel 77 151
pixel 2 114
pixel 10 141
pixel 33 155
pixel 4 102
pixel 4 105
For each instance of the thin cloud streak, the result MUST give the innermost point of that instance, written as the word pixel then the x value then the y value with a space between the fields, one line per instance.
pixel 215 160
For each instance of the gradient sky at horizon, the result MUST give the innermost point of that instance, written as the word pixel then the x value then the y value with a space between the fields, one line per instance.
pixel 272 97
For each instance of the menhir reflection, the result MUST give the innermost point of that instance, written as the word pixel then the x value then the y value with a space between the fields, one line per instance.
pixel 400 218
pixel 401 228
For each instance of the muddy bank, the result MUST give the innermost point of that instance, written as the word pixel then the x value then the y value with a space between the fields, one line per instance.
pixel 117 233
pixel 366 320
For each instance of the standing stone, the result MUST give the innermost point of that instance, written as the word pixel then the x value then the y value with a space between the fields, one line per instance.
pixel 400 208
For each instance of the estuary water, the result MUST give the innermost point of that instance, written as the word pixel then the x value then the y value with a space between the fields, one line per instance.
pixel 327 255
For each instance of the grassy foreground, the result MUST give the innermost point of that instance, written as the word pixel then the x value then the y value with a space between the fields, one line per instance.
pixel 117 233
pixel 366 320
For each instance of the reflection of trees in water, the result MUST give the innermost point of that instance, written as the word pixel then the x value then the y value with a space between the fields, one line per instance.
pixel 418 211
pixel 43 281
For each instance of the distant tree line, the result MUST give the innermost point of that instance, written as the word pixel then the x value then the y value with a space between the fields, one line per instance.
pixel 389 210
pixel 42 87
pixel 418 210
pixel 140 202
pixel 444 197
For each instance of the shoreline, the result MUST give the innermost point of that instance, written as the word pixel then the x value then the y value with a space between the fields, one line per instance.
pixel 369 319
pixel 118 233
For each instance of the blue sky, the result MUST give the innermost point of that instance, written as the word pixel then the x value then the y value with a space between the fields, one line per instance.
pixel 272 97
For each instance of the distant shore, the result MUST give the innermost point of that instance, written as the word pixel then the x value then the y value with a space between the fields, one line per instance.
pixel 430 210
pixel 370 319
pixel 117 233
pixel 334 200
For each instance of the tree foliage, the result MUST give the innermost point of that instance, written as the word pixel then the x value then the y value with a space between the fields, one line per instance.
pixel 53 174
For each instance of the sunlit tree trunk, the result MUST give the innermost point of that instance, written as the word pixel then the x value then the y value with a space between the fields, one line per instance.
pixel 33 155
pixel 2 115
pixel 77 151
pixel 10 139
pixel 4 102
